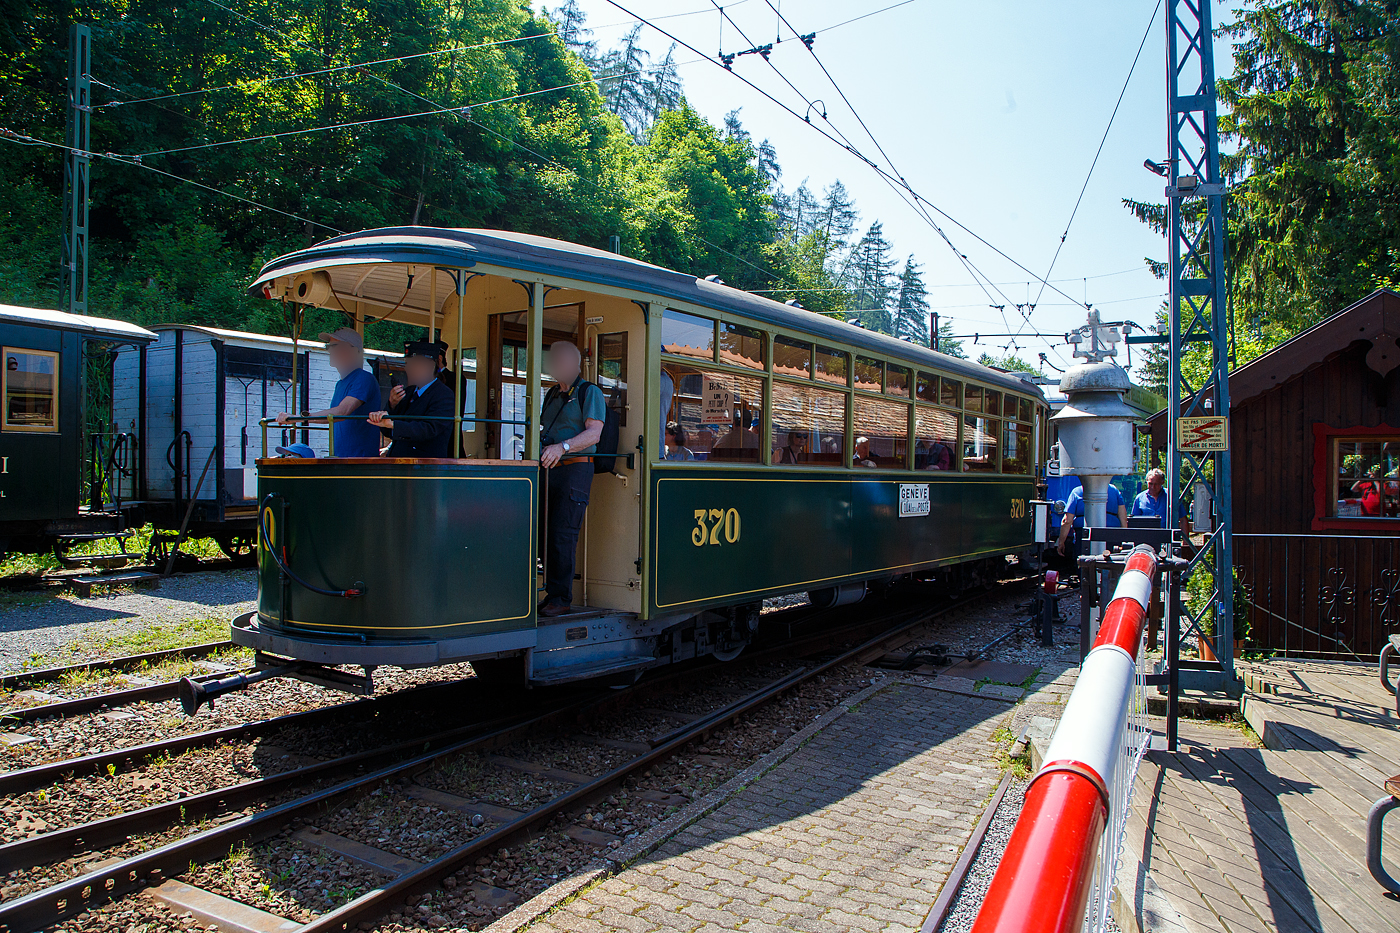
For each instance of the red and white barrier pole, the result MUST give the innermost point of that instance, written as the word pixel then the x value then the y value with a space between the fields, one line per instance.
pixel 1044 880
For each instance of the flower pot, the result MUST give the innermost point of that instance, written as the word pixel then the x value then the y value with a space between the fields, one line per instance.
pixel 1206 648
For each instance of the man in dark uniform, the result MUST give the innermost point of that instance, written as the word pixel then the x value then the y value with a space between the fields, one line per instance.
pixel 425 394
pixel 570 424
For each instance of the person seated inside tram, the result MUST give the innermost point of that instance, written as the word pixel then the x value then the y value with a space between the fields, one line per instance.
pixel 932 455
pixel 795 451
pixel 862 456
pixel 356 393
pixel 743 435
pixel 425 395
pixel 675 443
pixel 571 424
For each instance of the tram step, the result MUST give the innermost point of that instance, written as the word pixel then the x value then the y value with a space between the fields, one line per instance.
pixel 82 586
pixel 564 674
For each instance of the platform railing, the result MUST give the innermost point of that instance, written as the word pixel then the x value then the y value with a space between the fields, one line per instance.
pixel 1057 871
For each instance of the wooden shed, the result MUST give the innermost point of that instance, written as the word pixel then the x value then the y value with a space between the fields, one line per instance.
pixel 1315 442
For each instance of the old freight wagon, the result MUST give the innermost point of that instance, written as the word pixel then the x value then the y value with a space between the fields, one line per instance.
pixel 195 398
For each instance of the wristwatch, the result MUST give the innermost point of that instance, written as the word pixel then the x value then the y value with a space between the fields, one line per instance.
pixel 565 445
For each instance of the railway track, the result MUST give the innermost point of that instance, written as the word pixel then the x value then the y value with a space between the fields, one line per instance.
pixel 410 773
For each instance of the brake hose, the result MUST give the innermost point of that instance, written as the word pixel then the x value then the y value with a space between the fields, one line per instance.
pixel 281 559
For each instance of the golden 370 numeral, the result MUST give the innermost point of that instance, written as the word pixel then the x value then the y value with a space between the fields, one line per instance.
pixel 711 523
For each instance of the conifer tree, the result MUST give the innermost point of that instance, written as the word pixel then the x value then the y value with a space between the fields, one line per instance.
pixel 911 305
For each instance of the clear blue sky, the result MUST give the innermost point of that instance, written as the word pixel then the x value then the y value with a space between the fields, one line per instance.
pixel 992 111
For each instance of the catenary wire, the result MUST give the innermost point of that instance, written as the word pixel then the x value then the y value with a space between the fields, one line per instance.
pixel 123 160
pixel 1099 152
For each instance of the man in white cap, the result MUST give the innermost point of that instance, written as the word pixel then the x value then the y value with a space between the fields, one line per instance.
pixel 357 393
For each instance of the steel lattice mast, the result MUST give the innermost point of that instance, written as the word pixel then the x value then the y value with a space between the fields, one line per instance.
pixel 76 163
pixel 1198 310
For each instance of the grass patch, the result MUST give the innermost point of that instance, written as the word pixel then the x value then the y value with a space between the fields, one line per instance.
pixel 1018 766
pixel 33 565
pixel 163 636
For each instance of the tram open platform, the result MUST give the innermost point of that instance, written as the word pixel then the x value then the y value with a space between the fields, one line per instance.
pixel 1265 830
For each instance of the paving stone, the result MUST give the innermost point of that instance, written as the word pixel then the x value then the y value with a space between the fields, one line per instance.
pixel 855 830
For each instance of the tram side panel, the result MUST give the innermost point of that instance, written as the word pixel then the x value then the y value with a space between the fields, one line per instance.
pixel 720 539
pixel 444 549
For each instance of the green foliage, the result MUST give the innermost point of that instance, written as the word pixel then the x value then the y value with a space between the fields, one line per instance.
pixel 554 136
pixel 1009 362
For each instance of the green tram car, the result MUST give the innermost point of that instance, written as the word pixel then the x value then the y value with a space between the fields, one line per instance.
pixel 424 562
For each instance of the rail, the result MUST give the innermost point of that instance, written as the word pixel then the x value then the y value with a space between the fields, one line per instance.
pixel 309 422
pixel 1057 870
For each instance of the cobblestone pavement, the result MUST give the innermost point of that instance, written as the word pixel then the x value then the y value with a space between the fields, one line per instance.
pixel 856 830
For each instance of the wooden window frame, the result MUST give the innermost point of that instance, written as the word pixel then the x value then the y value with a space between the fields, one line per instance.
pixel 1325 438
pixel 5 395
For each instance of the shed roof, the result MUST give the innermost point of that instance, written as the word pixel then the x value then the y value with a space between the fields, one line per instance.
pixel 1375 318
pixel 461 248
pixel 62 320
pixel 263 340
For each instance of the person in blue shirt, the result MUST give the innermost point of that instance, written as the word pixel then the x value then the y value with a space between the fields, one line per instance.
pixel 1117 513
pixel 1152 501
pixel 357 393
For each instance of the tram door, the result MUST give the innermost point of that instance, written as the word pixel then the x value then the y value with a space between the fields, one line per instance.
pixel 507 373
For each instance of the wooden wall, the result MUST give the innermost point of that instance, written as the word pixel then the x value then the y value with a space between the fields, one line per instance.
pixel 1271 437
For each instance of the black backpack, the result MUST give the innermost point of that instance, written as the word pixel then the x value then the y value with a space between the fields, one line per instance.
pixel 612 423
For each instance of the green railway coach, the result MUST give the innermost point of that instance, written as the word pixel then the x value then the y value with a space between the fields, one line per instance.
pixel 817 457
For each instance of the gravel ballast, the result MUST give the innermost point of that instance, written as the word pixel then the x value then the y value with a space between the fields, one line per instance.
pixel 47 626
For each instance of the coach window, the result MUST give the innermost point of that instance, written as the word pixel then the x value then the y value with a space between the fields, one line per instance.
pixel 1026 408
pixel 972 398
pixel 833 366
pixel 809 424
pixel 926 387
pixel 886 426
pixel 949 392
pixel 980 441
pixel 936 439
pixel 792 358
pixel 869 374
pixel 897 381
pixel 1016 450
pixel 720 414
pixel 31 390
pixel 741 346
pixel 687 335
pixel 991 403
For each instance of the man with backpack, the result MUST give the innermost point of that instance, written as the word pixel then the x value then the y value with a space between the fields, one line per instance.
pixel 570 426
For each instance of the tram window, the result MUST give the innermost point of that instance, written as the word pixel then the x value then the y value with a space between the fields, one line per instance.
pixel 980 442
pixel 886 426
pixel 1025 405
pixel 1016 454
pixel 468 389
pixel 972 398
pixel 720 413
pixel 687 335
pixel 809 425
pixel 926 387
pixel 935 439
pixel 792 357
pixel 992 403
pixel 897 381
pixel 612 372
pixel 950 392
pixel 833 366
pixel 869 374
pixel 741 346
pixel 31 390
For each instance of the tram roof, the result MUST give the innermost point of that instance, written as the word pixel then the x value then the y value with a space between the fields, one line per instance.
pixel 62 320
pixel 464 248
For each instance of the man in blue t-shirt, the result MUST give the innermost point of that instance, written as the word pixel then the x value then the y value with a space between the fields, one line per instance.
pixel 1152 501
pixel 357 393
pixel 1116 513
